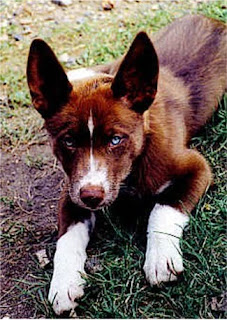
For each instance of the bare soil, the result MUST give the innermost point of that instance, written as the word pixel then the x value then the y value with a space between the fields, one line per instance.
pixel 29 215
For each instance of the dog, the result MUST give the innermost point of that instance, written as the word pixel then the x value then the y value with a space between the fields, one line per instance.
pixel 130 122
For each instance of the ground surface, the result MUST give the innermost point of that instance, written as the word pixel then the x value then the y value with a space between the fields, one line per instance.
pixel 83 34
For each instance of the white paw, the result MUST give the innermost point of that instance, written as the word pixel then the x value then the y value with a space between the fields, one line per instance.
pixel 67 283
pixel 163 261
pixel 64 292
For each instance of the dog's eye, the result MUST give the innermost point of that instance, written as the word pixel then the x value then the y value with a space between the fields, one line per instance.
pixel 69 142
pixel 115 140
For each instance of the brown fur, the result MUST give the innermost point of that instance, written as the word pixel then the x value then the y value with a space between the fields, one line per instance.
pixel 184 87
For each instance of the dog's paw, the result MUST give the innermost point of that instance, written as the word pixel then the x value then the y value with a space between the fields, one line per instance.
pixel 163 262
pixel 64 292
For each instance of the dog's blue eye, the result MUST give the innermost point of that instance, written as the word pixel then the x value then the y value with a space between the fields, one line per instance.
pixel 69 142
pixel 115 140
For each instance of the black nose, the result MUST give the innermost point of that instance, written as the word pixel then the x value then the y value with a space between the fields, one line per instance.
pixel 92 196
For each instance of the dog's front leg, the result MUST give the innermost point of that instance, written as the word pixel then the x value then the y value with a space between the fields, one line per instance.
pixel 167 220
pixel 163 260
pixel 67 283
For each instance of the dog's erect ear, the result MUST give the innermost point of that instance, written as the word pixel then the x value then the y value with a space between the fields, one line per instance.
pixel 47 81
pixel 137 77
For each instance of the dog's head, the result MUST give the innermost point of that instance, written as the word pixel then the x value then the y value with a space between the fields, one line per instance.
pixel 96 125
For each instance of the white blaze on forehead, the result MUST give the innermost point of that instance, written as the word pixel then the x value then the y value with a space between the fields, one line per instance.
pixel 80 74
pixel 91 129
pixel 90 124
pixel 97 173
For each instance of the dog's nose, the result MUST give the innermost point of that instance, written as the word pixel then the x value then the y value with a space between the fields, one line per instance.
pixel 92 196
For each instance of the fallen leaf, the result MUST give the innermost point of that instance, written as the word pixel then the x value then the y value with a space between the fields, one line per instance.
pixel 42 258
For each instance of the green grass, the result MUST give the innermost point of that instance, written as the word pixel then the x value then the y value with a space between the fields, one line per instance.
pixel 119 289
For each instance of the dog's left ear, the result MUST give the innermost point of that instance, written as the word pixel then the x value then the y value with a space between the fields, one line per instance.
pixel 137 77
pixel 47 81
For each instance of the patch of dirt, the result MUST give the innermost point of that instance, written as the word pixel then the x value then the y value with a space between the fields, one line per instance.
pixel 30 192
pixel 33 188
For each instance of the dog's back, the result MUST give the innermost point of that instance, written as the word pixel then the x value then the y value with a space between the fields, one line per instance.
pixel 199 59
pixel 192 53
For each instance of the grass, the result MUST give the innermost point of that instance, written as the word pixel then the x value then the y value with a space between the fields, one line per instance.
pixel 118 289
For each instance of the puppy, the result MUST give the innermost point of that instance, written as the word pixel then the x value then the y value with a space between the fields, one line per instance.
pixel 130 119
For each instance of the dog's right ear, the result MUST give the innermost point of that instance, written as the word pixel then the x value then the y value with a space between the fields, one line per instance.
pixel 47 81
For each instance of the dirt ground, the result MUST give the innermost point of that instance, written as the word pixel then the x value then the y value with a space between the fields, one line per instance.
pixel 31 179
pixel 34 192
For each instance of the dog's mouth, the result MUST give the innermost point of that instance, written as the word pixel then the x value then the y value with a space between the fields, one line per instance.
pixel 93 206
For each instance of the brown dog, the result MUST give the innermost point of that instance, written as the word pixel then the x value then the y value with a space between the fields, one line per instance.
pixel 130 119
